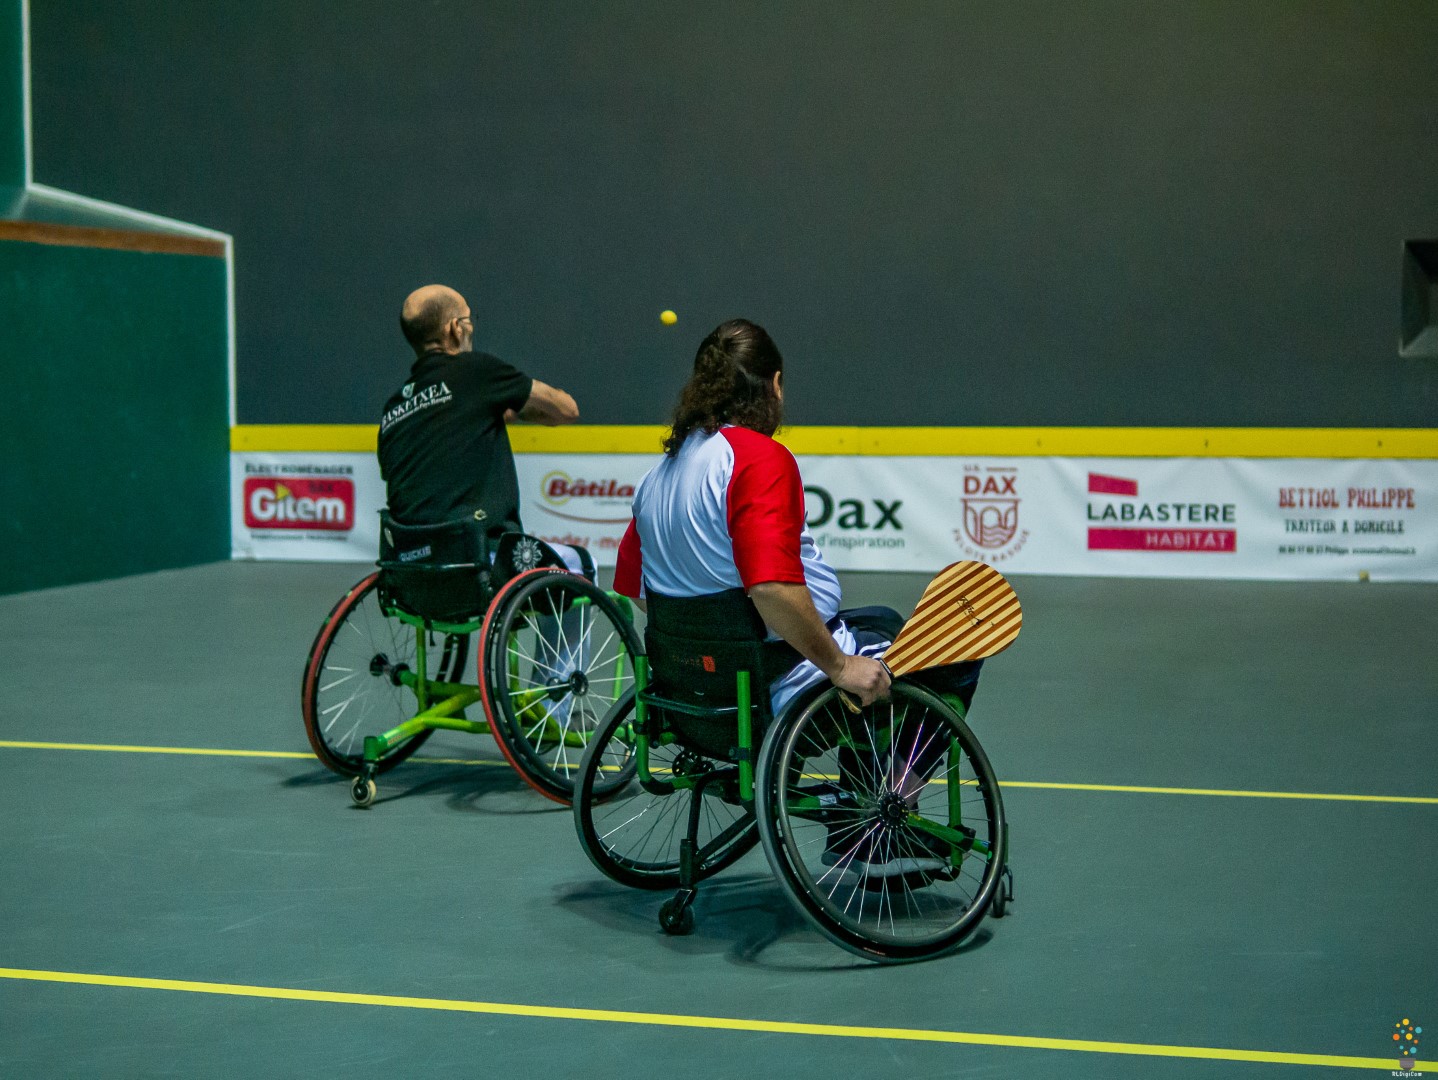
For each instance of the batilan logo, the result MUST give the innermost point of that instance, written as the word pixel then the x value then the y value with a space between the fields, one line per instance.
pixel 991 500
pixel 298 503
pixel 608 496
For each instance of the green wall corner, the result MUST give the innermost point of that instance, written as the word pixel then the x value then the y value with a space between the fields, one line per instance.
pixel 116 434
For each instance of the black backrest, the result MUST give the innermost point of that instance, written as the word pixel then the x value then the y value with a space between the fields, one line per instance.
pixel 697 645
pixel 439 572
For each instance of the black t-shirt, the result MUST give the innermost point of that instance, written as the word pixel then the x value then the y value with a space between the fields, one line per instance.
pixel 443 446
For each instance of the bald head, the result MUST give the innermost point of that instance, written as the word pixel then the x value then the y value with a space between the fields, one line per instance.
pixel 427 315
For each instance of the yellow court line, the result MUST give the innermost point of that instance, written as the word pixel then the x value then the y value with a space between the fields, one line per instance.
pixel 1147 442
pixel 200 751
pixel 1232 794
pixel 193 751
pixel 1417 800
pixel 713 1023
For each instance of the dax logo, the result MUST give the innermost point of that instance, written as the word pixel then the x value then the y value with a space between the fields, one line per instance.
pixel 299 503
pixel 991 507
pixel 820 508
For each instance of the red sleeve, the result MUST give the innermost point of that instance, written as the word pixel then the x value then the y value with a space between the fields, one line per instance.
pixel 628 569
pixel 765 509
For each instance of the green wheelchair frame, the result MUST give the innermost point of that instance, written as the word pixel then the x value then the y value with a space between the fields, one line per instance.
pixel 743 781
pixel 442 701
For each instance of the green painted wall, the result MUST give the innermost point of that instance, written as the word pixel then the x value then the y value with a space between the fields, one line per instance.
pixel 12 102
pixel 115 438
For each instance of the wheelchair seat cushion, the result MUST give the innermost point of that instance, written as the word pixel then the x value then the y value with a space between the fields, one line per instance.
pixel 439 572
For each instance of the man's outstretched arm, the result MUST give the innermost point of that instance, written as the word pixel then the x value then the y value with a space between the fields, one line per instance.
pixel 546 405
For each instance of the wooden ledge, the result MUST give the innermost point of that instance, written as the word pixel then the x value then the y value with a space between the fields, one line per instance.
pixel 44 232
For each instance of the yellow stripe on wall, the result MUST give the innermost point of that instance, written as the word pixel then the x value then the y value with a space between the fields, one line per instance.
pixel 913 441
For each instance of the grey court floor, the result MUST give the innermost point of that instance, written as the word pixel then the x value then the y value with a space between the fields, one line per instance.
pixel 203 915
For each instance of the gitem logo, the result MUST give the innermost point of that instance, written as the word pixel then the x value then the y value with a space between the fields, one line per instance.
pixel 293 502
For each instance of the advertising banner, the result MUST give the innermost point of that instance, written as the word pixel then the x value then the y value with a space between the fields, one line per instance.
pixel 315 506
pixel 1301 519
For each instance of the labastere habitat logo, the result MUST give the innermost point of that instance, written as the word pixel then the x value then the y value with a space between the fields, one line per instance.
pixel 294 502
pixel 584 500
pixel 991 500
pixel 1166 526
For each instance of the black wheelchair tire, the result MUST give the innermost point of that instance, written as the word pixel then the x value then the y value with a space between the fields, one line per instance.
pixel 778 760
pixel 359 609
pixel 521 746
pixel 661 872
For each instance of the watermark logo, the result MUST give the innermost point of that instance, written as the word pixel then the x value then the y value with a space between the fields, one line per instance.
pixel 1405 1038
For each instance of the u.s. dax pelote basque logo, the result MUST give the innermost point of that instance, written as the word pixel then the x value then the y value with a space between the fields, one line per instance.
pixel 990 504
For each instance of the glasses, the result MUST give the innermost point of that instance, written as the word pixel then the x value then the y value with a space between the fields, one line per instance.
pixel 464 318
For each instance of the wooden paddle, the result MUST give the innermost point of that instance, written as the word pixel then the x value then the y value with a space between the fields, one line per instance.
pixel 968 612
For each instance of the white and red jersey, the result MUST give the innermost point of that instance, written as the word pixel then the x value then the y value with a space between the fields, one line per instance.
pixel 727 512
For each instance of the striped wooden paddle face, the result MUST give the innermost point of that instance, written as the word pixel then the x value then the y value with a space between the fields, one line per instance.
pixel 967 612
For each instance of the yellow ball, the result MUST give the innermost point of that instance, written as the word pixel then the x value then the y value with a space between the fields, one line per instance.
pixel 668 318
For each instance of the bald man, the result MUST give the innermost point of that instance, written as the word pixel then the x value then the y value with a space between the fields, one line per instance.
pixel 443 443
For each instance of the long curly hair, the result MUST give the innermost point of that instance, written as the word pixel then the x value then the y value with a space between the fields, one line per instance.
pixel 732 383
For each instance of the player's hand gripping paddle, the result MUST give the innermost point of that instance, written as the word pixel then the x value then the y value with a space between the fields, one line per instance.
pixel 968 612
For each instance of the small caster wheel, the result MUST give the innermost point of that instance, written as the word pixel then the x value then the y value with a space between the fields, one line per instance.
pixel 363 791
pixel 1003 894
pixel 675 919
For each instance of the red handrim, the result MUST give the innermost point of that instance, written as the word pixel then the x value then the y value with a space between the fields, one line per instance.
pixel 352 763
pixel 307 689
pixel 491 714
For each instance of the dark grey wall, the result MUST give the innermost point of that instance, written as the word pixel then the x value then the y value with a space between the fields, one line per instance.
pixel 1092 212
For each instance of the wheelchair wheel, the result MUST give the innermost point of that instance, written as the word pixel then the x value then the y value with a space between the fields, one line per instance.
pixel 887 827
pixel 632 834
pixel 556 653
pixel 348 690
